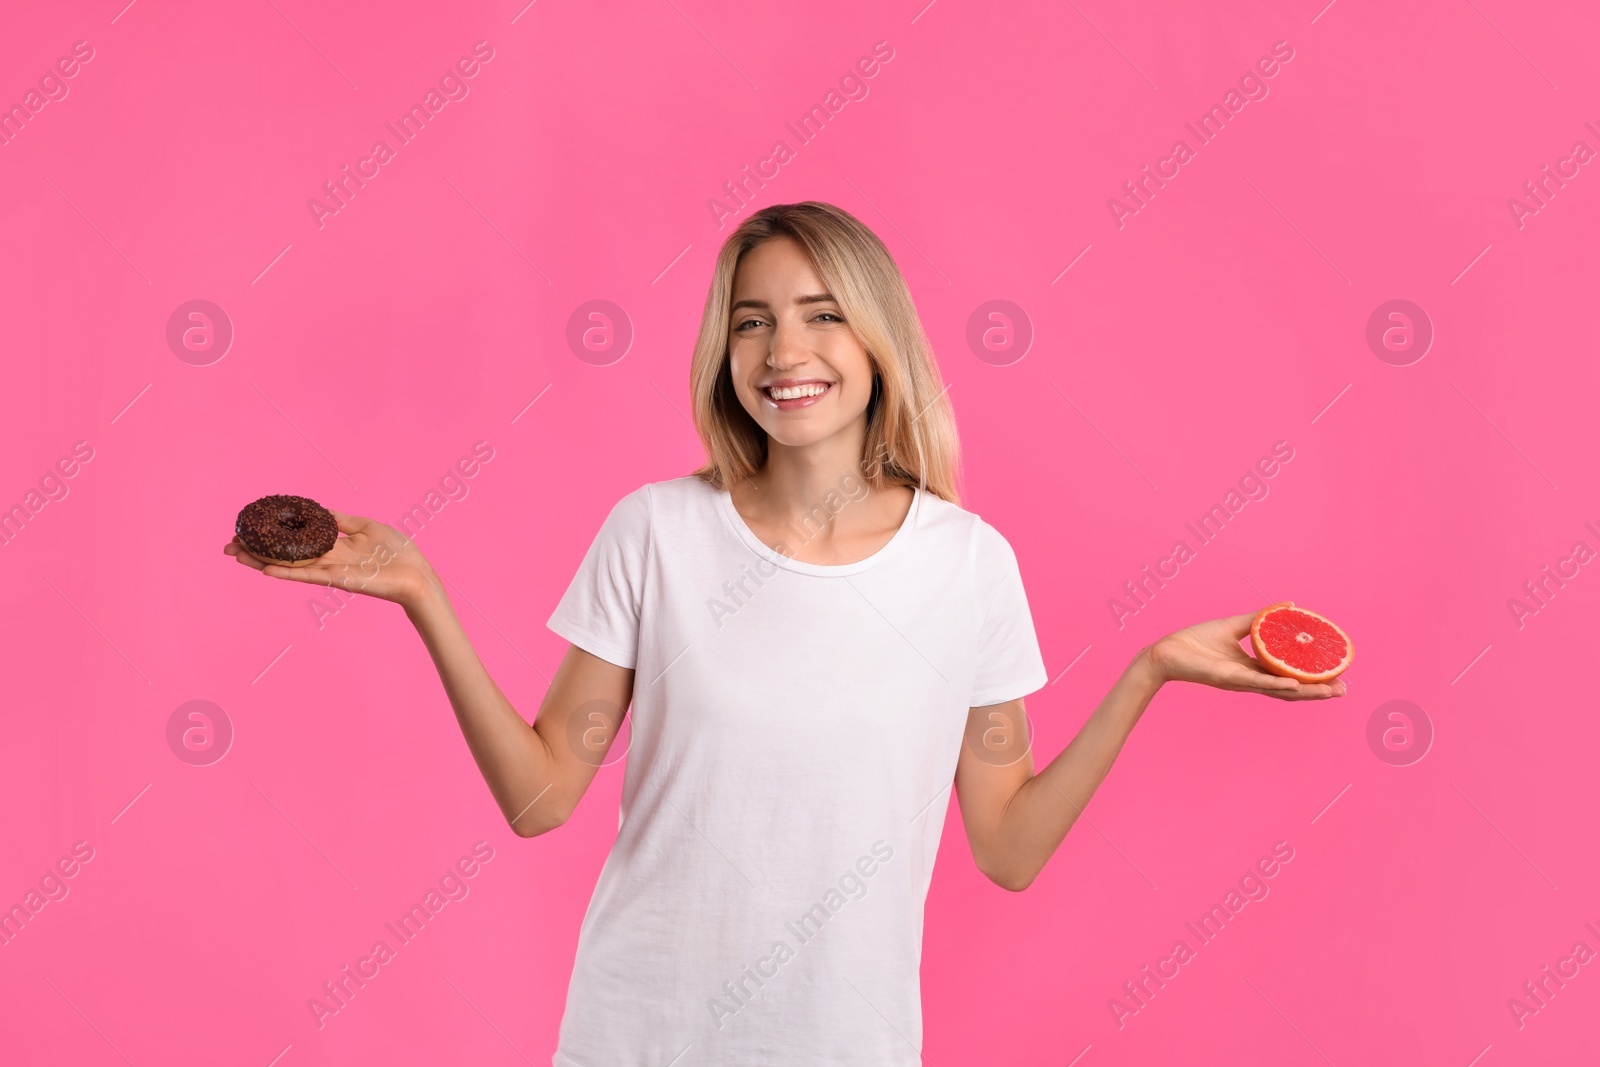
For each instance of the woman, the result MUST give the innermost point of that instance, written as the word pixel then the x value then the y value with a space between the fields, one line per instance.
pixel 817 642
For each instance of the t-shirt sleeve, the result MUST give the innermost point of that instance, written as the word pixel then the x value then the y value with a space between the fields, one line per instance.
pixel 600 610
pixel 1008 663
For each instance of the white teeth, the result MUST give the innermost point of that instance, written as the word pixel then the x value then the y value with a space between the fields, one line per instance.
pixel 795 392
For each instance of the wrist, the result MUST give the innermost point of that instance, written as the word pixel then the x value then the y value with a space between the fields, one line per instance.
pixel 1146 670
pixel 428 596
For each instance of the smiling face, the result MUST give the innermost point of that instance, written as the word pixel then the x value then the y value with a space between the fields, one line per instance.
pixel 797 367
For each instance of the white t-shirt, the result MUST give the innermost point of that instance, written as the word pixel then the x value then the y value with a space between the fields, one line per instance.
pixel 794 737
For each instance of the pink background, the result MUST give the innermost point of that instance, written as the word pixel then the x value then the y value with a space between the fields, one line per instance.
pixel 369 354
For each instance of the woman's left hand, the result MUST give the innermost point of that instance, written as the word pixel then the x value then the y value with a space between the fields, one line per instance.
pixel 1210 654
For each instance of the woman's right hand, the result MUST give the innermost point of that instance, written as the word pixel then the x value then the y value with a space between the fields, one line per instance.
pixel 369 558
pixel 1210 654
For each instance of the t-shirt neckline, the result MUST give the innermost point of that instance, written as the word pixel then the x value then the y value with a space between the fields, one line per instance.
pixel 826 570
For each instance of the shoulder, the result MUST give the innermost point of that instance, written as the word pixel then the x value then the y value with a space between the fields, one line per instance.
pixel 674 490
pixel 654 502
pixel 982 542
pixel 672 498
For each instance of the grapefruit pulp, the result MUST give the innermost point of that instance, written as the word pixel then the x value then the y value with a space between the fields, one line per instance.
pixel 1295 643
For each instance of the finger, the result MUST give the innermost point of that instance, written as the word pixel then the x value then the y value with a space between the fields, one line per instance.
pixel 349 524
pixel 245 558
pixel 1306 692
pixel 1266 685
pixel 1251 675
pixel 1234 654
pixel 309 575
pixel 1243 631
pixel 337 576
pixel 1287 694
pixel 1261 676
pixel 1239 625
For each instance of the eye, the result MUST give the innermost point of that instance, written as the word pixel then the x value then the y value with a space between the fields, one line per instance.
pixel 747 322
pixel 832 315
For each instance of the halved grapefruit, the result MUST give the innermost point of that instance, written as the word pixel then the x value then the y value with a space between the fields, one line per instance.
pixel 1296 643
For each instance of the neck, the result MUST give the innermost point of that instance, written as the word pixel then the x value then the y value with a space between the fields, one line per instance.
pixel 795 481
pixel 798 478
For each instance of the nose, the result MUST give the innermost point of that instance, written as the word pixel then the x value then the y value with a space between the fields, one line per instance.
pixel 788 349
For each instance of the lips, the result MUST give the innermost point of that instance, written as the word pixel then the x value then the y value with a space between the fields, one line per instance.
pixel 790 395
pixel 796 390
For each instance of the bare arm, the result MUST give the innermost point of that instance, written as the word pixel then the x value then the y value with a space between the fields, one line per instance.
pixel 1016 819
pixel 536 773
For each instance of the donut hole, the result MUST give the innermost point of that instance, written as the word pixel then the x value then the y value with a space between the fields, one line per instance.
pixel 291 517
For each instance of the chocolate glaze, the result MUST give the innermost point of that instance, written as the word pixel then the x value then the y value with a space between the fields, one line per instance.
pixel 288 528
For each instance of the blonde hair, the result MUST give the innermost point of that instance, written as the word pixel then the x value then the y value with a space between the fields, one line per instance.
pixel 911 429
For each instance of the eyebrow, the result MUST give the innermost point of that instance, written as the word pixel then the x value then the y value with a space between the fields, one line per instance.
pixel 810 298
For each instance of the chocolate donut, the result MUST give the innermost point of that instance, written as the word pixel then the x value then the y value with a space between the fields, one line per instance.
pixel 289 531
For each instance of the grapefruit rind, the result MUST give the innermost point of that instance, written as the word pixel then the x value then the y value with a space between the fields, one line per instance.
pixel 1274 665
